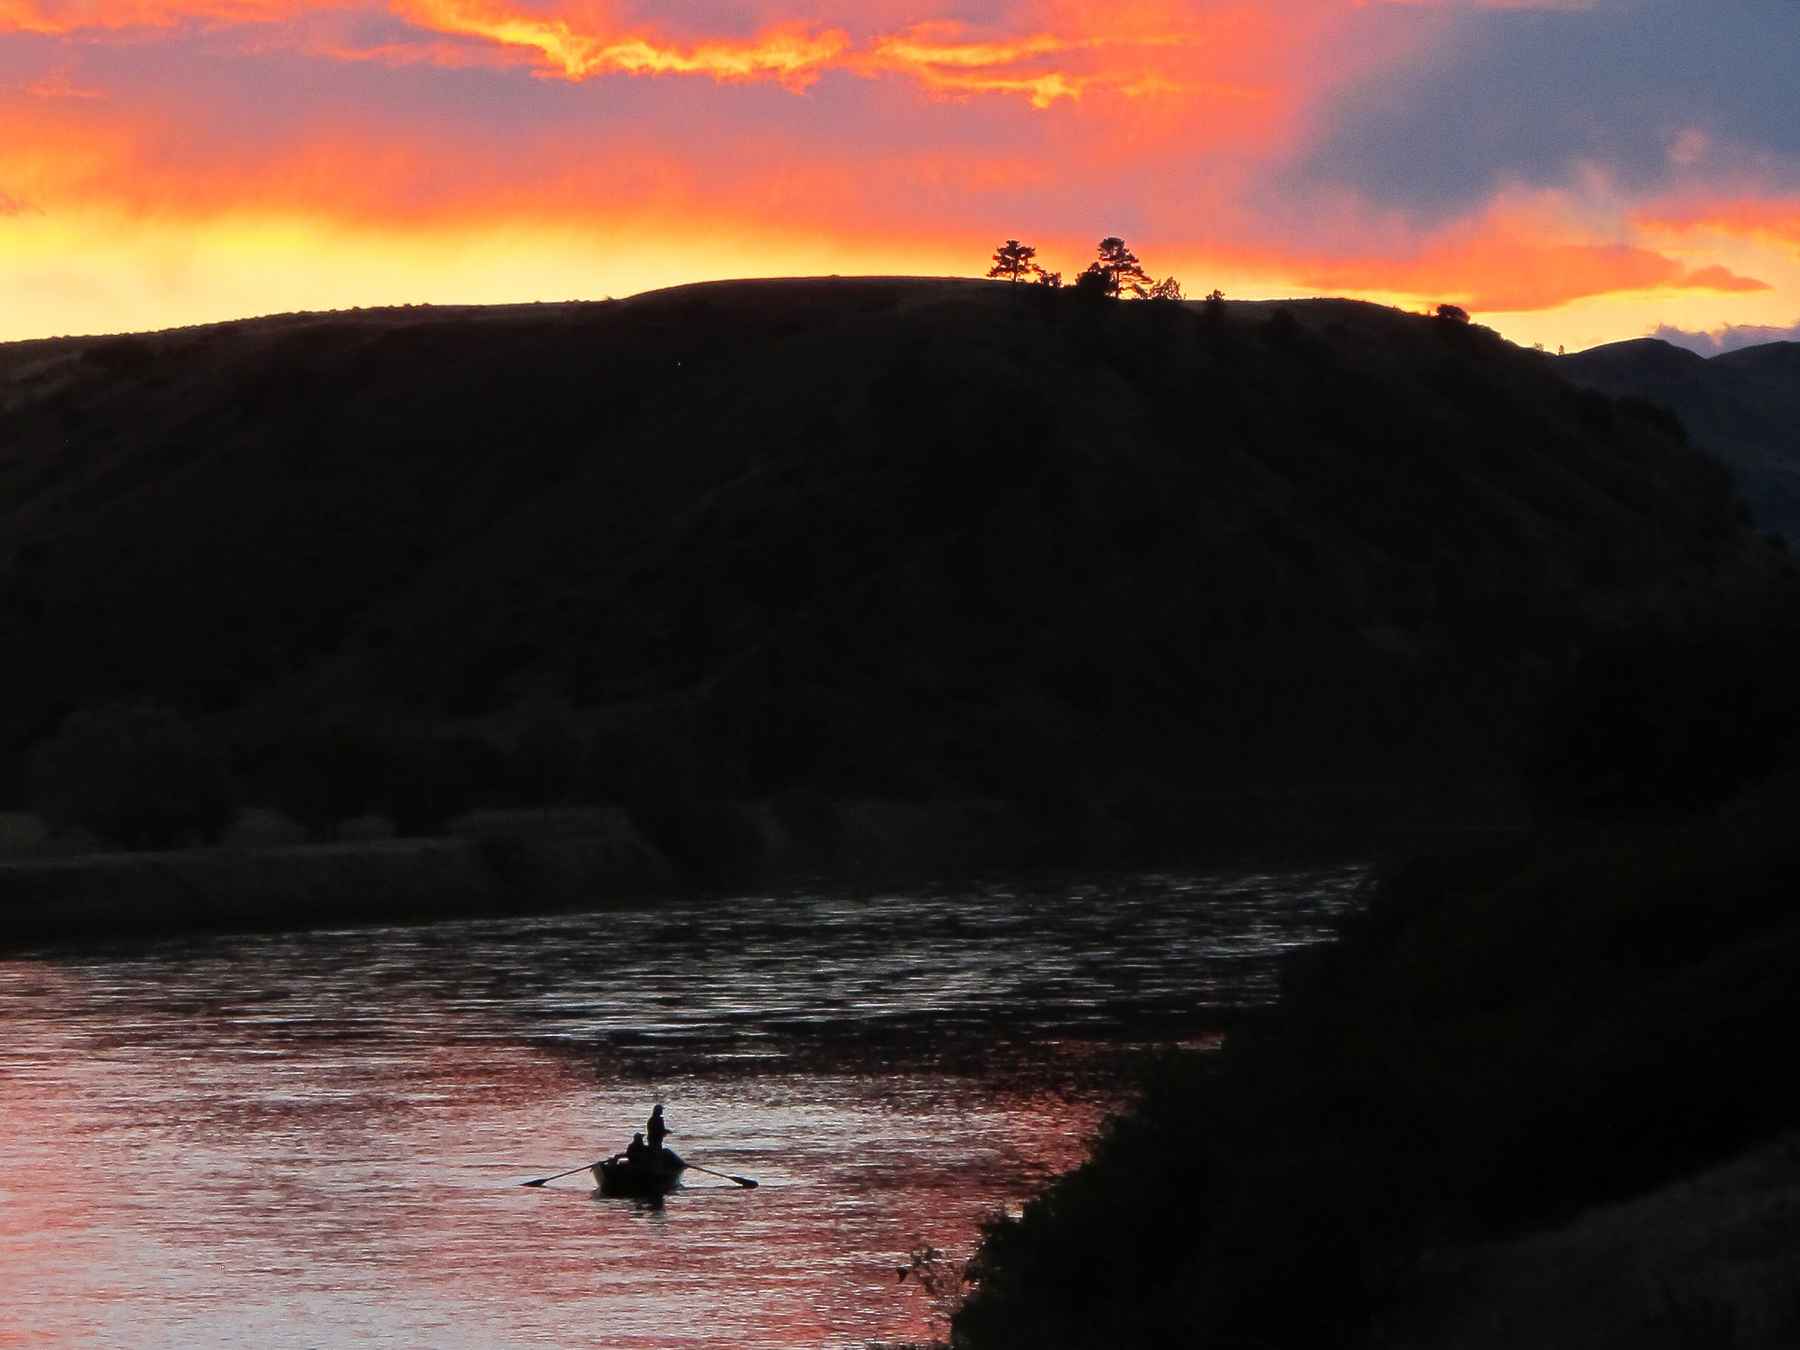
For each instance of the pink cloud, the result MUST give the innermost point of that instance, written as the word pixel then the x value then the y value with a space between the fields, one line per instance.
pixel 77 16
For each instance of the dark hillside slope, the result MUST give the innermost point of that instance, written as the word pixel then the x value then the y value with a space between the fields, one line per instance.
pixel 1743 406
pixel 886 536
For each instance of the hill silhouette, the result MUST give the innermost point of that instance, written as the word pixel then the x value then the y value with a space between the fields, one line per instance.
pixel 1743 405
pixel 878 536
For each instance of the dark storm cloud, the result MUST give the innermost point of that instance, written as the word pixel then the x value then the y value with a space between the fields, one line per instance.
pixel 1527 96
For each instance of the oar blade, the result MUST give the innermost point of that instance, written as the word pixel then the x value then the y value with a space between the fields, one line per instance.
pixel 745 1182
pixel 560 1175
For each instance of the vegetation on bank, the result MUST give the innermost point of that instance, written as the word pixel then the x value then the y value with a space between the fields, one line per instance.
pixel 1503 1039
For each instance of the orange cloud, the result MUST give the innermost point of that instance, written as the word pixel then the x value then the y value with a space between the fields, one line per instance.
pixel 1513 275
pixel 180 163
pixel 942 56
pixel 1504 263
pixel 1772 218
pixel 1042 66
pixel 61 150
pixel 1213 71
pixel 1054 52
pixel 1220 53
pixel 583 46
pixel 1716 278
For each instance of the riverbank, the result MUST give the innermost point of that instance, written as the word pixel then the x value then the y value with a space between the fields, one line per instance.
pixel 1509 1039
pixel 525 861
pixel 110 896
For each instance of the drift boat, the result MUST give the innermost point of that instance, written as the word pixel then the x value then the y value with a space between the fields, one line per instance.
pixel 654 1176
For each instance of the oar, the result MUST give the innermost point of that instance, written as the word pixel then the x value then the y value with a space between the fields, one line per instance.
pixel 745 1182
pixel 571 1172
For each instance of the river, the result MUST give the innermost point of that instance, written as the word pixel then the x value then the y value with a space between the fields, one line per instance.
pixel 317 1139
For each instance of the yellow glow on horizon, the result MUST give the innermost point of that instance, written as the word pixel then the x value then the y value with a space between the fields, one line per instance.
pixel 104 271
pixel 144 275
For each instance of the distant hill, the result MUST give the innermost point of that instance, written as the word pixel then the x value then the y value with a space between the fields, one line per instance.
pixel 887 536
pixel 1744 406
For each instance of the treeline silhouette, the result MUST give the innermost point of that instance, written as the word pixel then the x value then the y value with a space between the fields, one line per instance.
pixel 142 776
pixel 804 541
pixel 1116 272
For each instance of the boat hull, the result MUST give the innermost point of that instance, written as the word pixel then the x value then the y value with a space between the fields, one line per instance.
pixel 617 1177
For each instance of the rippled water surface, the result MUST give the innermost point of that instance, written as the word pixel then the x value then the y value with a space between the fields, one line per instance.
pixel 318 1139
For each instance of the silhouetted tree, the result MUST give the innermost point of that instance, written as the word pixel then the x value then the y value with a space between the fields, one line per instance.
pixel 1013 260
pixel 1095 284
pixel 136 774
pixel 1166 289
pixel 1453 313
pixel 1053 280
pixel 1124 272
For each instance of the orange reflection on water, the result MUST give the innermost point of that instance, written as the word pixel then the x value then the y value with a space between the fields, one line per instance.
pixel 287 1177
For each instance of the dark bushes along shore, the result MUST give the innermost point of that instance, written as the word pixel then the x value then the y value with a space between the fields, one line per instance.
pixel 1504 1038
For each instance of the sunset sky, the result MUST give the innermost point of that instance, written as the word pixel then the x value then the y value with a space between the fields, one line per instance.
pixel 1572 171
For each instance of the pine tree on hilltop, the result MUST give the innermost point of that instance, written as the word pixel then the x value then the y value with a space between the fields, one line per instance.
pixel 1124 272
pixel 1013 260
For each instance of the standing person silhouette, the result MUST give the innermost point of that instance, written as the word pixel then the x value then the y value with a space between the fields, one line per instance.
pixel 654 1129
